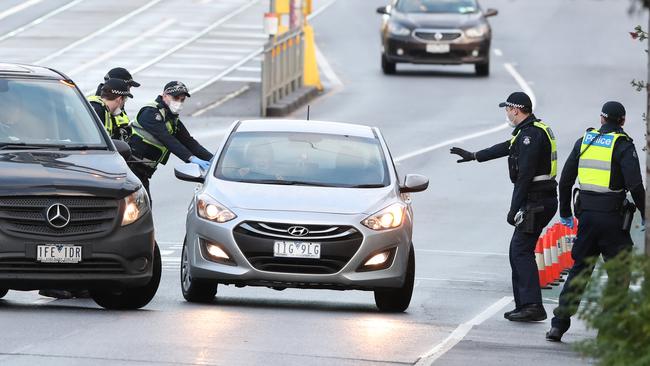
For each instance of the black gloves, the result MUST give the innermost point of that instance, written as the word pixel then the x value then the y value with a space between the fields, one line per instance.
pixel 464 154
pixel 511 217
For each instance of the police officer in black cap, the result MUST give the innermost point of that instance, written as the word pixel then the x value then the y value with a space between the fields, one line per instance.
pixel 121 126
pixel 109 105
pixel 532 161
pixel 607 167
pixel 158 131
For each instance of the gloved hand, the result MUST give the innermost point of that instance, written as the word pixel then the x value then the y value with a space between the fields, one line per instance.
pixel 204 165
pixel 511 217
pixel 567 221
pixel 464 154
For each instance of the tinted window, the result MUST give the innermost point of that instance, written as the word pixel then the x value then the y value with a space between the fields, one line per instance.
pixel 303 158
pixel 45 112
pixel 437 6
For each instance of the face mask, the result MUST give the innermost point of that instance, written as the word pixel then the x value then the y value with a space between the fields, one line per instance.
pixel 509 122
pixel 117 112
pixel 175 106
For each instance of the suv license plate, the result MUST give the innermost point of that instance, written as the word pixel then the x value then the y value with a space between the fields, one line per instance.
pixel 438 48
pixel 53 253
pixel 291 249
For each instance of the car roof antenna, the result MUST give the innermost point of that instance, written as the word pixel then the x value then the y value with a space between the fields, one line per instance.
pixel 308 110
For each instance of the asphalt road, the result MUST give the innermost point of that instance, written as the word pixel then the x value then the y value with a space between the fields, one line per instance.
pixel 572 55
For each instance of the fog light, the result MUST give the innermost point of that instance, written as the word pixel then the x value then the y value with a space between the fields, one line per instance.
pixel 400 52
pixel 377 259
pixel 217 252
pixel 475 53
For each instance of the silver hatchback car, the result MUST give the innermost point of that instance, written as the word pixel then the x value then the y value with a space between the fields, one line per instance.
pixel 301 204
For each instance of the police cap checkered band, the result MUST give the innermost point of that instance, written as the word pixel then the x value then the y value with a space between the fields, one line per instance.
pixel 117 87
pixel 518 100
pixel 176 88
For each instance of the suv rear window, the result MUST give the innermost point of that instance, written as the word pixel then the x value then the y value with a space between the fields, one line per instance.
pixel 45 112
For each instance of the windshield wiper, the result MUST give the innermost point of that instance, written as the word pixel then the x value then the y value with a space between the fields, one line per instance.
pixel 81 147
pixel 22 145
pixel 373 185
pixel 288 182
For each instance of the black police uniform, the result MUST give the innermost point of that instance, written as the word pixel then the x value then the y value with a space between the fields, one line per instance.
pixel 601 221
pixel 528 157
pixel 181 143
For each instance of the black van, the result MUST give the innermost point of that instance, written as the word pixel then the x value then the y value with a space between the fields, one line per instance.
pixel 72 214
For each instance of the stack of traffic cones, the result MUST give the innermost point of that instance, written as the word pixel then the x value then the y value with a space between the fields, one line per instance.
pixel 553 254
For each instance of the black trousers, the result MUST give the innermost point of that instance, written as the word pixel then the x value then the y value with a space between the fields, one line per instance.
pixel 598 233
pixel 525 277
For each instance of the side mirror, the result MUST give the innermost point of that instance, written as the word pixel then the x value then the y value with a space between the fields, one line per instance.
pixel 122 148
pixel 414 183
pixel 490 13
pixel 189 172
pixel 383 10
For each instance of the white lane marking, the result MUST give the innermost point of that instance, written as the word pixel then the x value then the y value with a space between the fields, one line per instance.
pixel 166 252
pixel 425 150
pixel 327 69
pixel 456 252
pixel 244 26
pixel 228 42
pixel 522 82
pixel 498 52
pixel 124 46
pixel 191 66
pixel 199 57
pixel 218 49
pixel 221 101
pixel 232 68
pixel 250 69
pixel 240 35
pixel 17 8
pixel 194 38
pixel 242 79
pixel 40 20
pixel 98 32
pixel 320 10
pixel 448 280
pixel 461 332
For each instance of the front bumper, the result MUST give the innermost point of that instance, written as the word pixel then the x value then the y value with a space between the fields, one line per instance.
pixel 243 273
pixel 123 258
pixel 414 51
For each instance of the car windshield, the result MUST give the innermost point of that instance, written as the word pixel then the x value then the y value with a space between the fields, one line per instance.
pixel 437 6
pixel 291 158
pixel 45 113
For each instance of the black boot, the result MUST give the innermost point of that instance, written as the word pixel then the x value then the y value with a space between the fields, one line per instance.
pixel 529 313
pixel 508 313
pixel 555 334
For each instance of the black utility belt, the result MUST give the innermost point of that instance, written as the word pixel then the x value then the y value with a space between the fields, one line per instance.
pixel 534 196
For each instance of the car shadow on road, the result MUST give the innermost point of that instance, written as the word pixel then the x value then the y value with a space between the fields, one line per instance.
pixel 326 306
pixel 59 305
pixel 437 74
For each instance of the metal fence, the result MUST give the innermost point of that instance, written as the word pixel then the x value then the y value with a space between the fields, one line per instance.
pixel 282 67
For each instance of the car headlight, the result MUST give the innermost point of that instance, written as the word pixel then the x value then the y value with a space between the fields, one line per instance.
pixel 477 32
pixel 208 208
pixel 135 206
pixel 398 29
pixel 388 218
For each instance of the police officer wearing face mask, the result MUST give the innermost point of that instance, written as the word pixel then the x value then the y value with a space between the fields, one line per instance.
pixel 157 132
pixel 607 167
pixel 109 104
pixel 121 121
pixel 532 161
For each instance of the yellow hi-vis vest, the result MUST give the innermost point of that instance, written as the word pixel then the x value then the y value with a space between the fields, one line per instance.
pixel 149 139
pixel 108 119
pixel 595 163
pixel 551 138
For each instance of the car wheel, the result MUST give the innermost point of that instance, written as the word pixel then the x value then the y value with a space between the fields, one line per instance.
pixel 134 297
pixel 397 300
pixel 482 69
pixel 388 67
pixel 3 292
pixel 193 289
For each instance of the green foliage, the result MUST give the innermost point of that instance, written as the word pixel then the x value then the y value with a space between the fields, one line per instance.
pixel 621 315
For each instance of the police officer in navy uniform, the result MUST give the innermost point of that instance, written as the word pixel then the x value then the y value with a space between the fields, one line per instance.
pixel 607 167
pixel 109 105
pixel 158 131
pixel 121 127
pixel 532 161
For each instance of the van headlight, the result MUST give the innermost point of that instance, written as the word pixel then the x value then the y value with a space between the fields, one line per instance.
pixel 208 208
pixel 477 32
pixel 398 29
pixel 388 218
pixel 135 206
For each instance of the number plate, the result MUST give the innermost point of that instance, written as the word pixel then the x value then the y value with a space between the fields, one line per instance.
pixel 58 253
pixel 294 249
pixel 438 48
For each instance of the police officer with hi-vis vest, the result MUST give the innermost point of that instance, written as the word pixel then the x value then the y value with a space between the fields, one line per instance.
pixel 607 167
pixel 532 161
pixel 109 104
pixel 120 129
pixel 157 132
